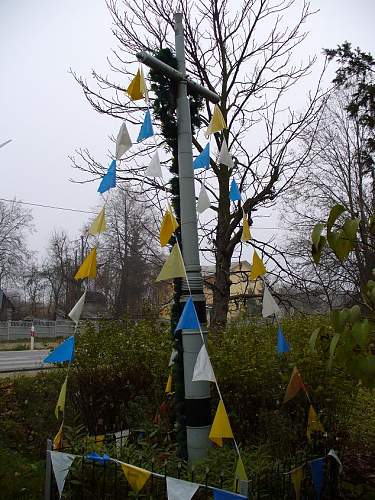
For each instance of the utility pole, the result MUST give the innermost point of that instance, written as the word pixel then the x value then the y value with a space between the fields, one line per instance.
pixel 197 394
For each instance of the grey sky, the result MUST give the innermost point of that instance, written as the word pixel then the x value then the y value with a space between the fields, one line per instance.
pixel 46 115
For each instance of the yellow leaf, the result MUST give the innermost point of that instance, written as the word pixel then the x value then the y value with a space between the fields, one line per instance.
pixel 220 427
pixel 88 267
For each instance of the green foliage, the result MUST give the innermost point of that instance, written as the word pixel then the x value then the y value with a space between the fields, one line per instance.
pixel 20 478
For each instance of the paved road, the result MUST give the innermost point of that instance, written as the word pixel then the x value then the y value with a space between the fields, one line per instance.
pixel 13 361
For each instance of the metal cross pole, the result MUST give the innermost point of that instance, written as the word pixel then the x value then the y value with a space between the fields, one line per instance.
pixel 197 394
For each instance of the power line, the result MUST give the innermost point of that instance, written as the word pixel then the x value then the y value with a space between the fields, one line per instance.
pixel 49 206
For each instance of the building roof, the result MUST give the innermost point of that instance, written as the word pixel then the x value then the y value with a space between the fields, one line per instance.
pixel 236 266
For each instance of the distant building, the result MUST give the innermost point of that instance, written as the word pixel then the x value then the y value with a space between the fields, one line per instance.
pixel 6 307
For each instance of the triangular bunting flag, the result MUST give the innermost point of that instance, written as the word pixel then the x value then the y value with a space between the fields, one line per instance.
pixel 313 423
pixel 297 478
pixel 180 490
pixel 99 224
pixel 95 457
pixel 174 266
pixel 88 267
pixel 63 352
pixel 154 168
pixel 109 180
pixel 239 474
pixel 282 344
pixel 317 472
pixel 136 476
pixel 257 268
pixel 333 454
pixel 220 427
pixel 57 440
pixel 146 128
pixel 294 386
pixel 227 495
pixel 188 319
pixel 137 87
pixel 203 159
pixel 76 312
pixel 123 141
pixel 60 405
pixel 234 193
pixel 269 304
pixel 173 357
pixel 224 157
pixel 61 463
pixel 217 122
pixel 203 368
pixel 168 387
pixel 203 200
pixel 168 227
pixel 246 235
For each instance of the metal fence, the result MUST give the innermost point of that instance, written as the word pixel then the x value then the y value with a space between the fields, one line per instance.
pixel 18 330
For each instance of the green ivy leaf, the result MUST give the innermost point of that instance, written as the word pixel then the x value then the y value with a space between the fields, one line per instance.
pixel 313 338
pixel 316 234
pixel 334 214
pixel 360 332
pixel 332 349
pixel 350 229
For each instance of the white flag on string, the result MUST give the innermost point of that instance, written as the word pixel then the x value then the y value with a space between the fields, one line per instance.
pixel 178 489
pixel 224 156
pixel 76 312
pixel 154 168
pixel 203 200
pixel 61 463
pixel 123 142
pixel 333 454
pixel 269 305
pixel 203 368
pixel 173 357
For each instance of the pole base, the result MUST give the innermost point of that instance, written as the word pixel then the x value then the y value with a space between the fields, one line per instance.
pixel 198 443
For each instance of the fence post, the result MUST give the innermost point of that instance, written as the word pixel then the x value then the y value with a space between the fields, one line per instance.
pixel 8 329
pixel 47 481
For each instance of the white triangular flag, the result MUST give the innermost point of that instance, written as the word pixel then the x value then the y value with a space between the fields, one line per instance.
pixel 123 142
pixel 121 438
pixel 154 168
pixel 173 357
pixel 177 489
pixel 203 368
pixel 76 312
pixel 203 200
pixel 333 454
pixel 224 157
pixel 61 463
pixel 269 305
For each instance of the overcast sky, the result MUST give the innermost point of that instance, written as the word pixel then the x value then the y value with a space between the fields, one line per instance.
pixel 46 115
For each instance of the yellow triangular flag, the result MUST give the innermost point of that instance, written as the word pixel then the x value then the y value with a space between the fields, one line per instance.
pixel 57 440
pixel 99 224
pixel 297 478
pixel 174 266
pixel 217 122
pixel 220 427
pixel 136 476
pixel 294 386
pixel 168 387
pixel 167 228
pixel 60 405
pixel 313 423
pixel 88 267
pixel 258 268
pixel 239 474
pixel 246 235
pixel 137 88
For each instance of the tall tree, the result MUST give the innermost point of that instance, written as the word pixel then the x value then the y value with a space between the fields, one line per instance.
pixel 246 56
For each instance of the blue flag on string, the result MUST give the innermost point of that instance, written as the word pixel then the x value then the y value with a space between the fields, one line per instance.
pixel 203 160
pixel 282 344
pixel 188 319
pixel 109 180
pixel 95 457
pixel 63 352
pixel 317 473
pixel 234 193
pixel 227 495
pixel 146 128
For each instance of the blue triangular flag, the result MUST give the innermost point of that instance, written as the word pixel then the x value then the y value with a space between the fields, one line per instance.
pixel 63 352
pixel 227 495
pixel 188 319
pixel 203 160
pixel 109 180
pixel 234 193
pixel 282 344
pixel 317 472
pixel 95 457
pixel 146 129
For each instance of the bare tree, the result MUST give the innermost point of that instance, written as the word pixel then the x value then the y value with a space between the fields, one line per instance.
pixel 246 56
